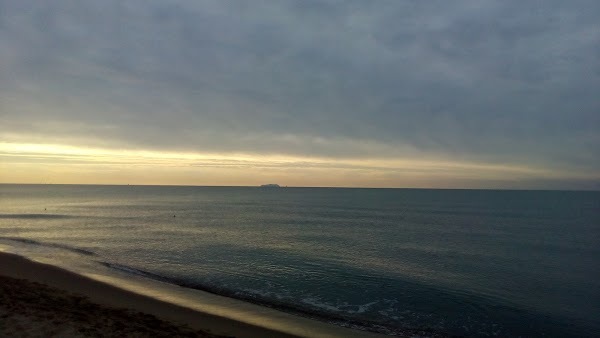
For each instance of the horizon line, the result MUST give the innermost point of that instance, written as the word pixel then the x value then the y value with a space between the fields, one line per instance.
pixel 300 187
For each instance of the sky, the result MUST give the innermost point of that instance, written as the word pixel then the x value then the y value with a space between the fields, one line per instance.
pixel 430 94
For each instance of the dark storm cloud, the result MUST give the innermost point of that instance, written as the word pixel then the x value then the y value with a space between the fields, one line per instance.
pixel 496 81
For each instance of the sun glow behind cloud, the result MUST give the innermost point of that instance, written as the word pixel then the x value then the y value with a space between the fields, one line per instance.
pixel 55 163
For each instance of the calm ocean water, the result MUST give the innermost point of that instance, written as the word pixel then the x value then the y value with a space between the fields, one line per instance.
pixel 456 262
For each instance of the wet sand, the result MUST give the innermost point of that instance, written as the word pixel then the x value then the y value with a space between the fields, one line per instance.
pixel 43 300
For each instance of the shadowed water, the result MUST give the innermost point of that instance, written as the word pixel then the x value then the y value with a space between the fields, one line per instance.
pixel 458 262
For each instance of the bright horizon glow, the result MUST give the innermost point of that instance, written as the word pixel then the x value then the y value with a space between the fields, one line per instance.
pixel 59 163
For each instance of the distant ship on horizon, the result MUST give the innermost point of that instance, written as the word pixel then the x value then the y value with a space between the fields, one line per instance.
pixel 270 185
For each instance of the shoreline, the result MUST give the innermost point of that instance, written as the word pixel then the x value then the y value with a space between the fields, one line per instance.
pixel 102 290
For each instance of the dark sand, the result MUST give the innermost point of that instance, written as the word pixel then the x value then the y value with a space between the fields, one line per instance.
pixel 36 310
pixel 41 300
pixel 25 314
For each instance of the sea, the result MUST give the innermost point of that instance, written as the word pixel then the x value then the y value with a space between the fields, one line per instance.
pixel 416 262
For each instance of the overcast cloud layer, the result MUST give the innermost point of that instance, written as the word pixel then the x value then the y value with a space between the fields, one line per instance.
pixel 490 81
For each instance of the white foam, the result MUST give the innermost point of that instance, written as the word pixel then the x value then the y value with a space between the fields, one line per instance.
pixel 343 307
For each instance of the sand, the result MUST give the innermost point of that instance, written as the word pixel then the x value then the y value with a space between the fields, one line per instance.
pixel 36 310
pixel 41 300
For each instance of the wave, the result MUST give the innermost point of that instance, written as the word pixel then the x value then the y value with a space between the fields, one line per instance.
pixel 36 216
pixel 309 309
pixel 49 244
pixel 135 271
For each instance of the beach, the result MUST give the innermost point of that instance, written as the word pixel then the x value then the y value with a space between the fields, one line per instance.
pixel 38 299
pixel 113 311
pixel 34 309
